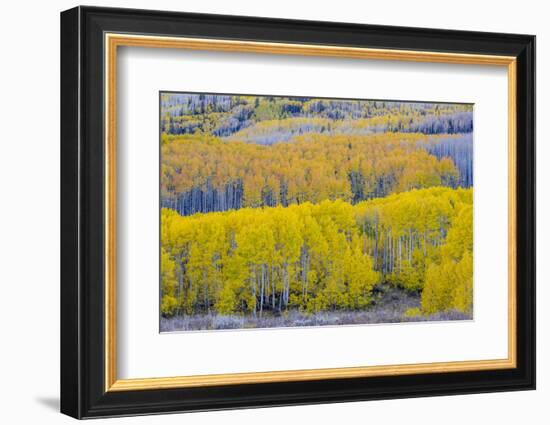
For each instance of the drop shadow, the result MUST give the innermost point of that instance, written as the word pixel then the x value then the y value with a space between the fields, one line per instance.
pixel 51 403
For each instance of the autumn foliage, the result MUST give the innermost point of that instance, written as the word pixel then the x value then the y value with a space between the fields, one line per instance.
pixel 319 257
pixel 271 205
pixel 222 175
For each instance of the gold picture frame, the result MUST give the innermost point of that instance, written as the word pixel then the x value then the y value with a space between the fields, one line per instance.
pixel 114 41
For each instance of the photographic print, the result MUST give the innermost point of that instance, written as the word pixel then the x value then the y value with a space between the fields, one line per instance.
pixel 300 211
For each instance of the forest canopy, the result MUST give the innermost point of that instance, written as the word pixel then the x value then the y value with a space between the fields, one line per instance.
pixel 318 257
pixel 222 175
pixel 274 206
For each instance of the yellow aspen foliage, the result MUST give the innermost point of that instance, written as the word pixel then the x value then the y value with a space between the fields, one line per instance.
pixel 463 290
pixel 438 293
pixel 311 167
pixel 460 238
pixel 273 204
pixel 168 285
pixel 319 257
pixel 449 283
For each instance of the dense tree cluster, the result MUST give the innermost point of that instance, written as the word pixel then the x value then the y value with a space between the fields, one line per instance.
pixel 251 260
pixel 277 204
pixel 414 235
pixel 319 257
pixel 272 119
pixel 275 131
pixel 205 174
pixel 460 149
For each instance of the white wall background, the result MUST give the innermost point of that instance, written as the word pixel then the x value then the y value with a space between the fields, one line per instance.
pixel 29 212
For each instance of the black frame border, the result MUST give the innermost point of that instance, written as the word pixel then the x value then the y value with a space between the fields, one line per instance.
pixel 82 212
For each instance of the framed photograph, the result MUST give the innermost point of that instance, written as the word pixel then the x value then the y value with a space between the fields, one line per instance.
pixel 261 212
